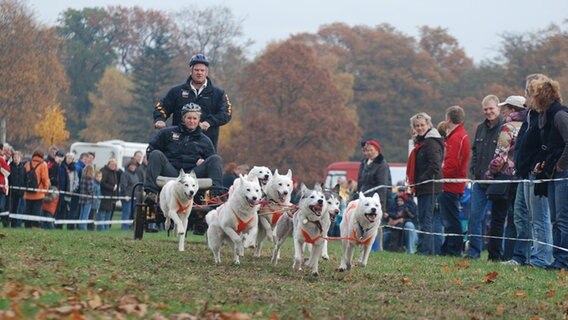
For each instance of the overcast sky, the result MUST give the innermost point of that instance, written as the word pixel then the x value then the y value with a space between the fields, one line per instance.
pixel 476 24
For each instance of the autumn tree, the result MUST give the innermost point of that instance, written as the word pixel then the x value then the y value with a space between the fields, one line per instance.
pixel 90 36
pixel 295 115
pixel 51 129
pixel 111 100
pixel 33 78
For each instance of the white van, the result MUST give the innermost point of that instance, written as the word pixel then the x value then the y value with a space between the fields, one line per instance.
pixel 128 149
pixel 120 150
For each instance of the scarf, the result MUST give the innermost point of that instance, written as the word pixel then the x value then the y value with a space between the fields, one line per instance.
pixel 411 164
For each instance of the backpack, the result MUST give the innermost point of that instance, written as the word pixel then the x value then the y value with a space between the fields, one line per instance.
pixel 30 178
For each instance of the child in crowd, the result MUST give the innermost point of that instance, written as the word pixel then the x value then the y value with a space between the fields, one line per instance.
pixel 402 215
pixel 86 190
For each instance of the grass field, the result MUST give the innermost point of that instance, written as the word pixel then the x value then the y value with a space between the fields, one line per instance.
pixel 53 274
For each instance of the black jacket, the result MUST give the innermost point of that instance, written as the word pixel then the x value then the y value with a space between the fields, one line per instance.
pixel 182 147
pixel 110 179
pixel 483 148
pixel 527 146
pixel 215 106
pixel 16 178
pixel 553 149
pixel 429 163
pixel 376 174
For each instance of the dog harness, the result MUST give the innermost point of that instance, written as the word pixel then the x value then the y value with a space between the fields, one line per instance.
pixel 241 225
pixel 307 236
pixel 181 208
pixel 360 240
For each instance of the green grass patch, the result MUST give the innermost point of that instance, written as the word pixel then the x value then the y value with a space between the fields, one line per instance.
pixel 60 273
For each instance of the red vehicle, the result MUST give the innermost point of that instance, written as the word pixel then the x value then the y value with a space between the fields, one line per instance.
pixel 350 171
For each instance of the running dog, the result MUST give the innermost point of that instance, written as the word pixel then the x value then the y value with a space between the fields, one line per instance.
pixel 276 203
pixel 306 227
pixel 235 218
pixel 359 226
pixel 263 174
pixel 327 219
pixel 176 202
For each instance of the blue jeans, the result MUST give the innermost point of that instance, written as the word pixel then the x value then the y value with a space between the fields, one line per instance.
pixel 558 202
pixel 84 215
pixel 477 217
pixel 103 215
pixel 450 212
pixel 541 252
pixel 46 224
pixel 428 221
pixel 126 214
pixel 409 236
pixel 521 252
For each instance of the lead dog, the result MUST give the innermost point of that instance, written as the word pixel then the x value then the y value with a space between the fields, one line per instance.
pixel 235 218
pixel 306 228
pixel 277 202
pixel 359 227
pixel 176 202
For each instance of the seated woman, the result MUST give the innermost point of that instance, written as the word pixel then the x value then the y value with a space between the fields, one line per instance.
pixel 401 215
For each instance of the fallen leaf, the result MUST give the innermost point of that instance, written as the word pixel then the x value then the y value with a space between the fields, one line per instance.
pixel 235 315
pixel 307 313
pixel 406 281
pixel 458 282
pixel 446 269
pixel 490 277
pixel 95 301
pixel 520 294
pixel 274 316
pixel 500 310
pixel 550 293
pixel 65 310
pixel 462 264
pixel 536 318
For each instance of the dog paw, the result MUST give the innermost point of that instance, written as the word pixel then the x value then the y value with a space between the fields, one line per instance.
pixel 341 269
pixel 315 274
pixel 362 264
pixel 325 257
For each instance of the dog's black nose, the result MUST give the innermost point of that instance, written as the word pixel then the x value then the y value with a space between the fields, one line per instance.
pixel 191 192
pixel 254 198
pixel 285 193
pixel 374 210
pixel 265 176
pixel 320 201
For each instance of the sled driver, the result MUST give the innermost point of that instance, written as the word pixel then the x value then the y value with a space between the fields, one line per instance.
pixel 182 147
pixel 199 89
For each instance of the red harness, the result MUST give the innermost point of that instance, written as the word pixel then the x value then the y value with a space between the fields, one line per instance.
pixel 276 216
pixel 241 225
pixel 347 216
pixel 308 238
pixel 181 208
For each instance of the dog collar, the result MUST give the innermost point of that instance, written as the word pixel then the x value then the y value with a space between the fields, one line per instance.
pixel 307 236
pixel 360 239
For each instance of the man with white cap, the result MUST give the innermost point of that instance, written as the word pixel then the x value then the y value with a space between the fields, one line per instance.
pixel 503 165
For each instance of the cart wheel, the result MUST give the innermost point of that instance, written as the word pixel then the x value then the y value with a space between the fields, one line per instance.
pixel 140 220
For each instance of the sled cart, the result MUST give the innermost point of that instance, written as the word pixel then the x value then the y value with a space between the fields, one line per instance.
pixel 149 217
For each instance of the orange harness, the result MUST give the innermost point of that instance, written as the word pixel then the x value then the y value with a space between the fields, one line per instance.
pixel 276 216
pixel 181 208
pixel 241 225
pixel 361 242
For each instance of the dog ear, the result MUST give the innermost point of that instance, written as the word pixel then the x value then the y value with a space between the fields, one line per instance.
pixel 181 173
pixel 289 174
pixel 376 195
pixel 361 195
pixel 276 174
pixel 317 187
pixel 303 189
pixel 192 173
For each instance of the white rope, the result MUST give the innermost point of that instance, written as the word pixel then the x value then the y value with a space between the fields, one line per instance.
pixel 60 192
pixel 28 217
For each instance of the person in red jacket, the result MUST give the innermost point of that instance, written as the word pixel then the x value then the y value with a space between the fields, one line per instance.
pixel 456 163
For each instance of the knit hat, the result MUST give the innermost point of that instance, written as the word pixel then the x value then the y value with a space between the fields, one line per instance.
pixel 373 143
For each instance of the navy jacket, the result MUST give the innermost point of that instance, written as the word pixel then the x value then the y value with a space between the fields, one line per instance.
pixel 182 147
pixel 215 106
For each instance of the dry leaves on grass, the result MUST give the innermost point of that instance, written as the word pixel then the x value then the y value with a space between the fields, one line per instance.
pixel 406 281
pixel 490 277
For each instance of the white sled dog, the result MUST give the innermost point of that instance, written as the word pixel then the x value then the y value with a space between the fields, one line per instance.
pixel 306 228
pixel 263 174
pixel 176 202
pixel 328 219
pixel 235 218
pixel 276 202
pixel 359 226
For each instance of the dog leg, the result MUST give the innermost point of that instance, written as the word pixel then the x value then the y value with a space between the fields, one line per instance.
pixel 267 228
pixel 214 242
pixel 343 264
pixel 298 256
pixel 324 254
pixel 314 258
pixel 237 243
pixel 283 230
pixel 365 254
pixel 260 235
